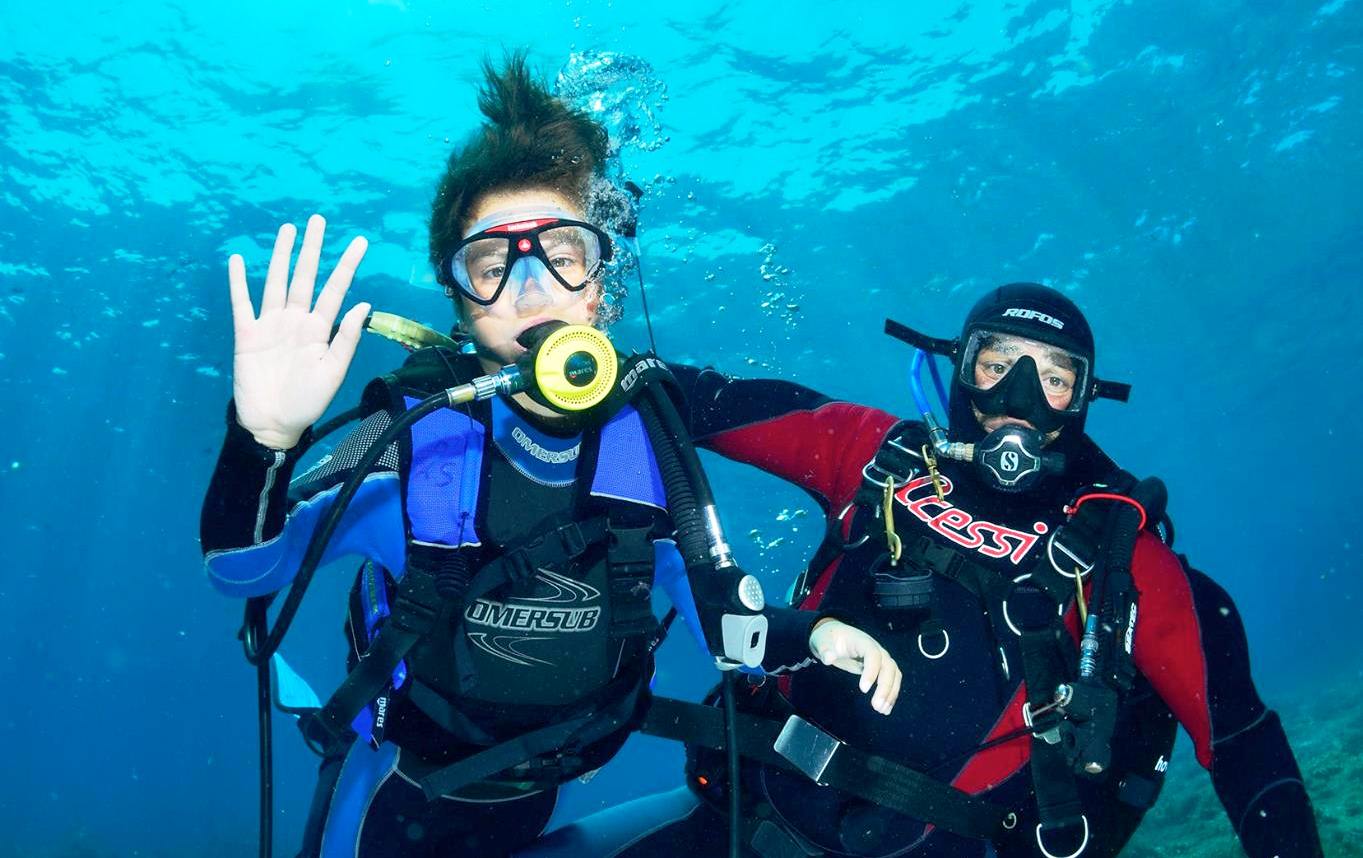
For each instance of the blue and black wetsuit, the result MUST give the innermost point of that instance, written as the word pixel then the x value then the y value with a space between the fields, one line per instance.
pixel 541 650
pixel 963 690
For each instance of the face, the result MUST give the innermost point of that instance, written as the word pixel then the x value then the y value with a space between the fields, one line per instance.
pixel 529 301
pixel 1056 370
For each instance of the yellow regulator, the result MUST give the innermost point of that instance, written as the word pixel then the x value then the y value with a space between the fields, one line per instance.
pixel 575 368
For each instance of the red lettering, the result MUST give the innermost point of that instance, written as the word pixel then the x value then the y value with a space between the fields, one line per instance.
pixel 956 518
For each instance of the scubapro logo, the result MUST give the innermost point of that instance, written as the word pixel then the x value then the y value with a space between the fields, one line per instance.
pixel 1009 461
pixel 1035 315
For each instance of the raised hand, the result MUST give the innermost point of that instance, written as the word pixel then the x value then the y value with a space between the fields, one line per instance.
pixel 286 367
pixel 848 648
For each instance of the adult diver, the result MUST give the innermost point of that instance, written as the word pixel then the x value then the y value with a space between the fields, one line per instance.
pixel 1050 639
pixel 501 629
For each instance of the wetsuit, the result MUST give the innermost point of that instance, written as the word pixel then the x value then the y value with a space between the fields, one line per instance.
pixel 541 649
pixel 963 671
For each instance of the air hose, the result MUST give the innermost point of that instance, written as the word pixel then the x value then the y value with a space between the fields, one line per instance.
pixel 710 568
pixel 572 368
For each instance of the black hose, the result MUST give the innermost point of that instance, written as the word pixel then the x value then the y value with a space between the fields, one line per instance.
pixel 256 620
pixel 687 490
pixel 320 432
pixel 258 651
pixel 735 772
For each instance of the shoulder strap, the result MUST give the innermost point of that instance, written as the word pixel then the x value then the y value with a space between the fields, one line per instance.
pixel 897 460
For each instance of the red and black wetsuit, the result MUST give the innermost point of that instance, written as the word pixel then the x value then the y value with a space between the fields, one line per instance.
pixel 963 683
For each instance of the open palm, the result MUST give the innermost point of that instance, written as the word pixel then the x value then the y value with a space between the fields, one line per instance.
pixel 286 366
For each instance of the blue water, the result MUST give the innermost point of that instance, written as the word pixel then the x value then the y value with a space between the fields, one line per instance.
pixel 1191 173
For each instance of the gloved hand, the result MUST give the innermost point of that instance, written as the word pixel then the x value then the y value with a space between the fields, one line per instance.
pixel 848 648
pixel 286 367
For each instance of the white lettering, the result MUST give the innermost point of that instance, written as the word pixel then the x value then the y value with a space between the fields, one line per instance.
pixel 553 457
pixel 1019 313
pixel 632 377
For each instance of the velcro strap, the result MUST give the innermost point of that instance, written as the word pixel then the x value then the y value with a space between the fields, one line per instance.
pixel 629 561
pixel 565 542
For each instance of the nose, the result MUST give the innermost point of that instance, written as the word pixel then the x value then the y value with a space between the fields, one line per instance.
pixel 528 278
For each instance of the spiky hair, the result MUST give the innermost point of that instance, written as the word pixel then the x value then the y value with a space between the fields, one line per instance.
pixel 530 139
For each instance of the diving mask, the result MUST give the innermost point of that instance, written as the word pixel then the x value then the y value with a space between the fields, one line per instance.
pixel 524 246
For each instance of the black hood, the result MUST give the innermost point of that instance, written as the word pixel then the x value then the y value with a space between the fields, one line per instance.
pixel 1026 310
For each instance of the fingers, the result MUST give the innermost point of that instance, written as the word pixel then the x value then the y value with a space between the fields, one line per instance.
pixel 276 279
pixel 872 660
pixel 348 337
pixel 887 686
pixel 333 293
pixel 305 270
pixel 243 313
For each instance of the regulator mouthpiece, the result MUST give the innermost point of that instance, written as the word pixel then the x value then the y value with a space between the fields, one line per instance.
pixel 574 366
pixel 1013 458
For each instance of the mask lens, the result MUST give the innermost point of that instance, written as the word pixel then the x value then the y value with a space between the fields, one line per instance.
pixel 479 267
pixel 989 357
pixel 573 254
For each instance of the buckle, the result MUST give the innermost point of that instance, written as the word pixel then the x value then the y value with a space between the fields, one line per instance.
pixel 895 481
pixel 1045 724
pixel 807 747
pixel 570 536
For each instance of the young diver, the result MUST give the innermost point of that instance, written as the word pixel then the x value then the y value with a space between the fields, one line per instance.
pixel 1051 707
pixel 486 699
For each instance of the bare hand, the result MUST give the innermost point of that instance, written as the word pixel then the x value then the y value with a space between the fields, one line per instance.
pixel 286 368
pixel 848 648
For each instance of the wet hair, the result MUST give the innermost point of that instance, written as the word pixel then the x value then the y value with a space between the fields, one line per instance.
pixel 530 139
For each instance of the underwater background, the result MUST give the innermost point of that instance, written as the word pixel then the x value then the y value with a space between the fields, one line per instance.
pixel 1190 172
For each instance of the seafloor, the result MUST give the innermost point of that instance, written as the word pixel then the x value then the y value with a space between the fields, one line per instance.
pixel 1326 731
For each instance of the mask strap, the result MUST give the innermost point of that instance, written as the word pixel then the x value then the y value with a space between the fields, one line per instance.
pixel 902 332
pixel 1111 390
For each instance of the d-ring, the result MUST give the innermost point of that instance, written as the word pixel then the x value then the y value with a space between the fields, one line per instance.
pixel 1081 568
pixel 848 546
pixel 946 645
pixel 1076 853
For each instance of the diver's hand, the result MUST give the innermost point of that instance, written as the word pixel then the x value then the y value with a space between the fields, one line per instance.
pixel 286 367
pixel 846 647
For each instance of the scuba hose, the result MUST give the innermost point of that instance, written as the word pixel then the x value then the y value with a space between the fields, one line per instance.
pixel 937 434
pixel 509 380
pixel 260 641
pixel 711 568
pixel 571 368
pixel 410 335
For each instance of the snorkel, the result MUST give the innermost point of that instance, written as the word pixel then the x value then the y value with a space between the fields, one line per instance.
pixel 937 435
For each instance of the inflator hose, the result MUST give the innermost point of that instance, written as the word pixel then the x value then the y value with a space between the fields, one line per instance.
pixel 684 483
pixel 258 651
pixel 687 490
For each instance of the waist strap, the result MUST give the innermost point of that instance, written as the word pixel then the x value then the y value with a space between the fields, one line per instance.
pixel 797 745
